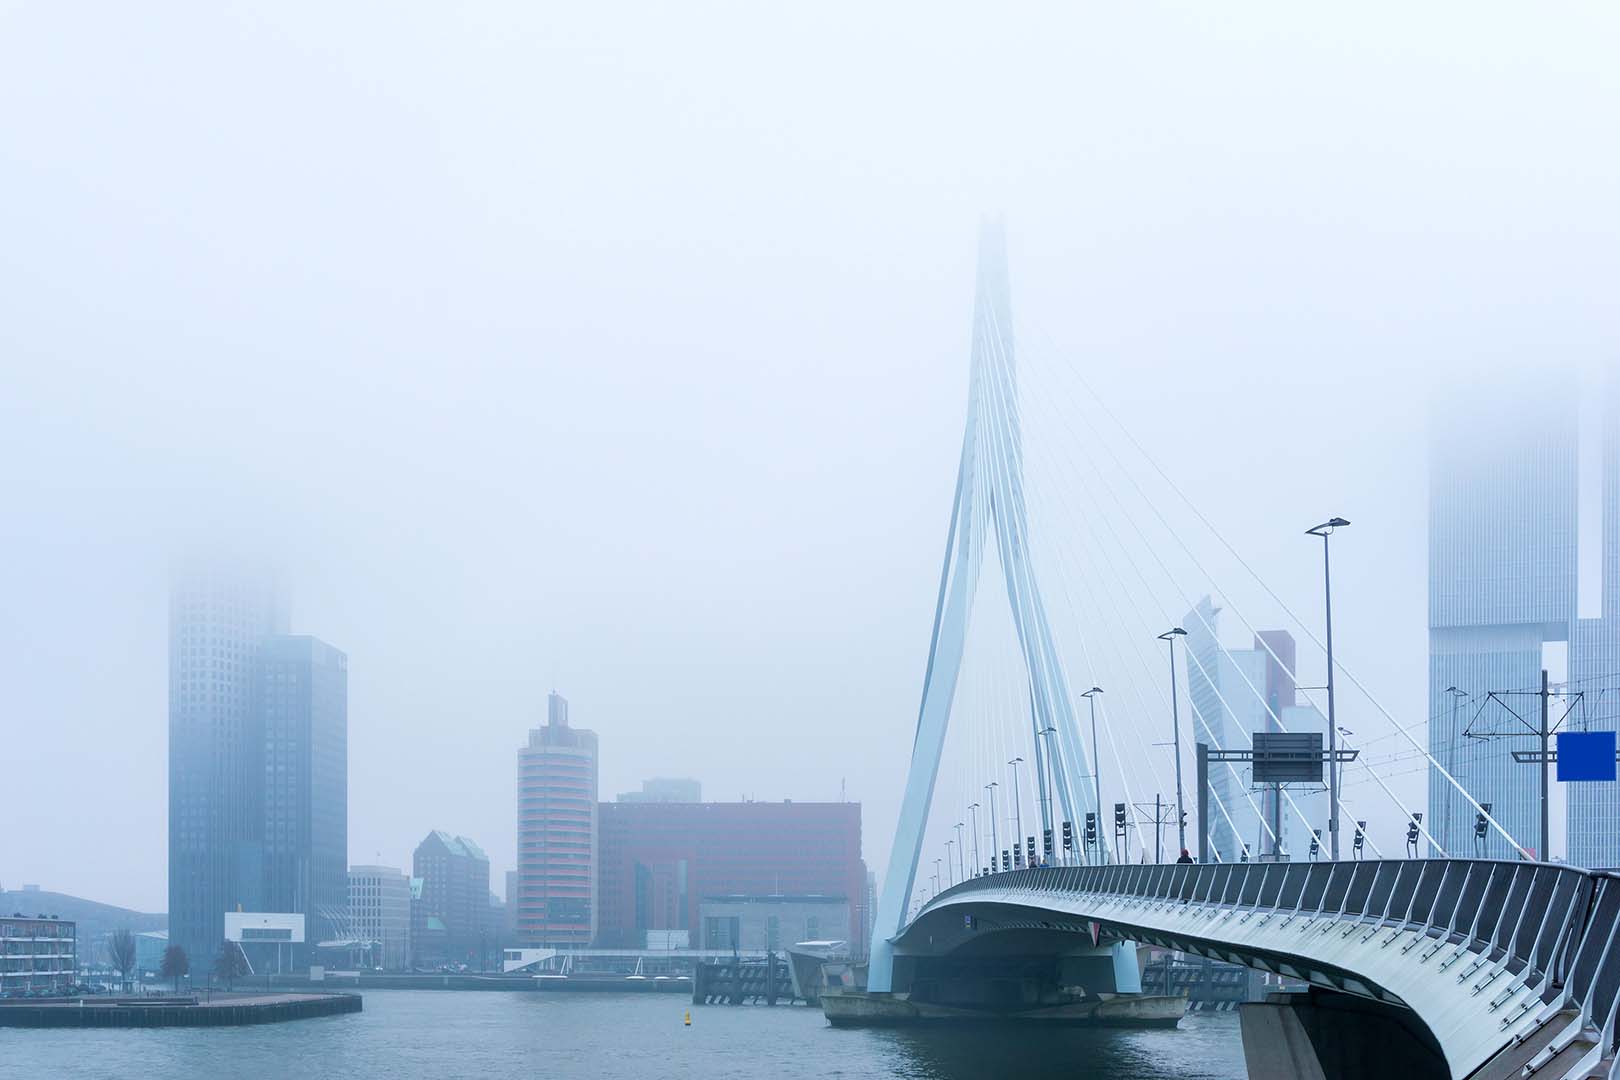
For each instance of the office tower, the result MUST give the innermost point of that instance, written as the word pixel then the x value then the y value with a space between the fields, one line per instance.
pixel 303 693
pixel 219 617
pixel 557 814
pixel 1594 655
pixel 258 762
pixel 1503 532
pixel 380 912
pixel 1234 694
pixel 450 916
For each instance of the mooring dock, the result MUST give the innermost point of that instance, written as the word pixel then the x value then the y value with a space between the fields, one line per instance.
pixel 187 1010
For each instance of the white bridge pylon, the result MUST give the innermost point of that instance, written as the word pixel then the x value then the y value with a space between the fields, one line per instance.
pixel 989 494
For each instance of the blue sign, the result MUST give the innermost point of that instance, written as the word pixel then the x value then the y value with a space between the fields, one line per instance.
pixel 1586 755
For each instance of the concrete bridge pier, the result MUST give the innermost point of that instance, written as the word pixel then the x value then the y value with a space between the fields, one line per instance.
pixel 1322 1035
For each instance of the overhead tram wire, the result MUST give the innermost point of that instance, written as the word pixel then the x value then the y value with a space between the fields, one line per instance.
pixel 1220 805
pixel 1339 664
pixel 1266 645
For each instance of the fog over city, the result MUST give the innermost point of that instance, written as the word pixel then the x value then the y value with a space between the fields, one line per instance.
pixel 622 350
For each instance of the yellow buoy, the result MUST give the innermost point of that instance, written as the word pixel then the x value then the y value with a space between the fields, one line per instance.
pixel 688 1017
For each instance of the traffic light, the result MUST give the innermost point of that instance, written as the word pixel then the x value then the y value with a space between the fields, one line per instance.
pixel 1361 836
pixel 1316 843
pixel 1029 843
pixel 1046 842
pixel 1119 815
pixel 1480 824
pixel 1068 835
pixel 1091 830
pixel 1006 860
pixel 1412 835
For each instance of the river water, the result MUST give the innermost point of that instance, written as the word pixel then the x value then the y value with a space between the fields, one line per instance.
pixel 447 1035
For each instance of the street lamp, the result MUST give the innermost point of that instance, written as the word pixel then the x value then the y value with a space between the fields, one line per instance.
pixel 973 814
pixel 1325 530
pixel 1169 637
pixel 950 864
pixel 995 841
pixel 1018 813
pixel 1451 757
pixel 1051 783
pixel 1096 759
pixel 961 850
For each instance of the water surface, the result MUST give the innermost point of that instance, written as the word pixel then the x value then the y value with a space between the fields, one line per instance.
pixel 445 1035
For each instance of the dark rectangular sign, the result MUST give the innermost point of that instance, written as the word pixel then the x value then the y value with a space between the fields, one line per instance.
pixel 1288 757
pixel 1585 755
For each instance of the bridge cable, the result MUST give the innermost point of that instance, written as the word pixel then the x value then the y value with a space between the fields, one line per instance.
pixel 1266 645
pixel 1338 663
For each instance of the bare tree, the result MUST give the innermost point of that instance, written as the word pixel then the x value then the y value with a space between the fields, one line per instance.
pixel 176 964
pixel 229 964
pixel 121 954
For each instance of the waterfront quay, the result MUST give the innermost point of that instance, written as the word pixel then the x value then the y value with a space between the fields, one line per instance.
pixel 208 1010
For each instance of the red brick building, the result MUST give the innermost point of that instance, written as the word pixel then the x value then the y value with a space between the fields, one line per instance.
pixel 657 861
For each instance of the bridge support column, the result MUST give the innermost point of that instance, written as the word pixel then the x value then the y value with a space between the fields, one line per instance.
pixel 1321 1035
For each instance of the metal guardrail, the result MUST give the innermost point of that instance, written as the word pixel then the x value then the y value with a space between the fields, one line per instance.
pixel 1552 927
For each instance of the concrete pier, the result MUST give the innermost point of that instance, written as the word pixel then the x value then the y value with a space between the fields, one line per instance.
pixel 854 1008
pixel 1319 1035
pixel 217 1009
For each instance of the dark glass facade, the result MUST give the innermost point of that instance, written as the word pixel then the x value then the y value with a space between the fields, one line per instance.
pixel 258 762
pixel 303 697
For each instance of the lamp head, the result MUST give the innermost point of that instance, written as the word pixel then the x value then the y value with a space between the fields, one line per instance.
pixel 1326 527
pixel 1173 632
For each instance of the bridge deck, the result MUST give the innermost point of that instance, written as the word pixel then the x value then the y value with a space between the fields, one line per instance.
pixel 1482 951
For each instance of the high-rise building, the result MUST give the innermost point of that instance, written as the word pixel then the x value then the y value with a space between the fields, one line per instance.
pixel 258 762
pixel 380 912
pixel 219 617
pixel 557 815
pixel 660 860
pixel 450 917
pixel 1503 521
pixel 1594 655
pixel 1233 695
pixel 303 696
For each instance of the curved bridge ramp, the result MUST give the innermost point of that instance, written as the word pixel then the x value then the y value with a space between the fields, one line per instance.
pixel 1500 969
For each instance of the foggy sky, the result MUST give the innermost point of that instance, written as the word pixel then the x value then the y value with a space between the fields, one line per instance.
pixel 622 350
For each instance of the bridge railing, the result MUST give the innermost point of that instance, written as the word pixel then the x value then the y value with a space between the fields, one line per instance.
pixel 1550 928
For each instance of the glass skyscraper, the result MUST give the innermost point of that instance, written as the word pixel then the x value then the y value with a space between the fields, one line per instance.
pixel 1594 666
pixel 303 710
pixel 1504 577
pixel 1235 693
pixel 219 616
pixel 258 770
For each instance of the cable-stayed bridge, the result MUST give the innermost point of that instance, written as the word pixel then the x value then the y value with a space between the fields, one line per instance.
pixel 1003 895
